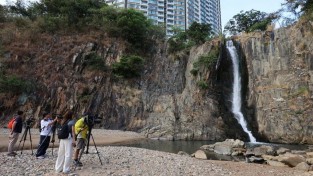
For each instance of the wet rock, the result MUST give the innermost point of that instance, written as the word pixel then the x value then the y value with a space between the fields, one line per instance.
pixel 282 150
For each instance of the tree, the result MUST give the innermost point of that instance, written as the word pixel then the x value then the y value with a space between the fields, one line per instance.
pixel 198 33
pixel 248 21
pixel 133 26
pixel 3 14
pixel 299 6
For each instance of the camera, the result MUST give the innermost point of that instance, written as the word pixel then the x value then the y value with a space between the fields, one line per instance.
pixel 91 120
pixel 59 116
pixel 29 121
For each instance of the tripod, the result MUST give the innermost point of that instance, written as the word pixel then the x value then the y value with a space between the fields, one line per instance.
pixel 87 152
pixel 27 130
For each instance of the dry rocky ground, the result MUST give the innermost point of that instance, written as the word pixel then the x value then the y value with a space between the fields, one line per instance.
pixel 127 161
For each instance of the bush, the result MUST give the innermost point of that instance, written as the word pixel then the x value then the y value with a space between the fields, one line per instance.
pixel 95 62
pixel 128 67
pixel 206 61
pixel 202 84
pixel 16 85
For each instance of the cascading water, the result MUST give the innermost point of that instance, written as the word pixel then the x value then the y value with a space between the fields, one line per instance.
pixel 236 96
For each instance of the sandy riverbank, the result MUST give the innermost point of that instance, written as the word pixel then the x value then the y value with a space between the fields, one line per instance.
pixel 131 161
pixel 102 138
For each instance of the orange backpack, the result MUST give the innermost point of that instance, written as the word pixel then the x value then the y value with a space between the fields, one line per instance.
pixel 10 124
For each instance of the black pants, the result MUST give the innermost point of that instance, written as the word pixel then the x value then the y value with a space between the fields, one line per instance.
pixel 43 145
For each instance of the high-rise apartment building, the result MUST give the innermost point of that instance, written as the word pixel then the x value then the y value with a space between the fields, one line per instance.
pixel 176 13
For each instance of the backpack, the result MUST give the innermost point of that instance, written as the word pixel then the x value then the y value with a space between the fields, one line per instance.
pixel 63 131
pixel 10 124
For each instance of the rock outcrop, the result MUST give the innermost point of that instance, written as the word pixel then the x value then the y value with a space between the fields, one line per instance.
pixel 280 82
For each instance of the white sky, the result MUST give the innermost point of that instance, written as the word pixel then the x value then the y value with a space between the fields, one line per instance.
pixel 229 8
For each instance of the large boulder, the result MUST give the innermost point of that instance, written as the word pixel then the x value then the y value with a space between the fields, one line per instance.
pixel 228 147
pixel 282 150
pixel 303 166
pixel 291 160
pixel 263 150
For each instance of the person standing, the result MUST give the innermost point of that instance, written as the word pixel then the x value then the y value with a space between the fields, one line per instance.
pixel 81 130
pixel 14 133
pixel 46 129
pixel 65 152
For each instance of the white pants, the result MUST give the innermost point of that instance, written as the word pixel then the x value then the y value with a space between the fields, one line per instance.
pixel 65 153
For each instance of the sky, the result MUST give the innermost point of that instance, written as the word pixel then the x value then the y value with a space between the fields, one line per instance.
pixel 229 8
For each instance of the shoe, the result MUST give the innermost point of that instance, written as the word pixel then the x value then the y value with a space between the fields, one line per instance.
pixel 11 154
pixel 66 172
pixel 40 157
pixel 14 153
pixel 78 163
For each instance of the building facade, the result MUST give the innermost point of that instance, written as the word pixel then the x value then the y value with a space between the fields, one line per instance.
pixel 176 13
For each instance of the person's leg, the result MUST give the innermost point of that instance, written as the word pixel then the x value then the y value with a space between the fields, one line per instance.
pixel 79 148
pixel 12 142
pixel 60 160
pixel 46 145
pixel 40 146
pixel 68 155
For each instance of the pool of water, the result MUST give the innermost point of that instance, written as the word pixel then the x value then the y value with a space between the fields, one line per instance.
pixel 192 146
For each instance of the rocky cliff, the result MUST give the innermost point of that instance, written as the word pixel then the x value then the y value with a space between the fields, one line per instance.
pixel 166 101
pixel 279 87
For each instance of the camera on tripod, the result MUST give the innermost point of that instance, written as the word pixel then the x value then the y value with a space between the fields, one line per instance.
pixel 29 122
pixel 91 120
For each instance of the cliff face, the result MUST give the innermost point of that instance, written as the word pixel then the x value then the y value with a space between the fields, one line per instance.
pixel 165 102
pixel 280 65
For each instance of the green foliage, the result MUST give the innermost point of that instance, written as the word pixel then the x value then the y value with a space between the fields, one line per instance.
pixel 128 67
pixel 203 84
pixel 299 6
pixel 194 71
pixel 61 15
pixel 177 42
pixel 195 35
pixel 15 85
pixel 198 33
pixel 248 21
pixel 205 61
pixel 95 62
pixel 133 26
pixel 3 14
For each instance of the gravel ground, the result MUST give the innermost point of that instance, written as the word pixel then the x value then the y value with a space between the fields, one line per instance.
pixel 128 161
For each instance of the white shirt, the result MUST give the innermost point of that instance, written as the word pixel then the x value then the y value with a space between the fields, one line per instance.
pixel 45 129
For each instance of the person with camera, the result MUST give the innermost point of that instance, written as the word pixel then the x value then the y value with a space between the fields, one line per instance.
pixel 45 133
pixel 81 130
pixel 66 133
pixel 14 133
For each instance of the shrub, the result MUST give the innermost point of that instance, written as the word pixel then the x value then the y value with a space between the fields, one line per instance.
pixel 16 85
pixel 95 62
pixel 202 84
pixel 128 67
pixel 206 61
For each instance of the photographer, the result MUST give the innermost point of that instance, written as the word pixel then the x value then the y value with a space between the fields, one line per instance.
pixel 81 129
pixel 15 131
pixel 46 129
pixel 66 135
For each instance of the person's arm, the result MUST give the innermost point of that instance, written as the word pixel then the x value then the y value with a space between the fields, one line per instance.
pixel 52 122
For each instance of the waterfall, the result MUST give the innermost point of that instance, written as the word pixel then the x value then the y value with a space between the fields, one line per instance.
pixel 236 95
